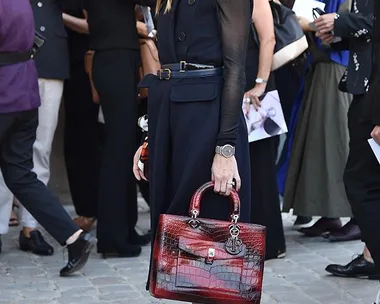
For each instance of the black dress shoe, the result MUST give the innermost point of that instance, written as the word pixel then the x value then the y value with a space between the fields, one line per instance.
pixel 357 268
pixel 35 243
pixel 349 232
pixel 79 252
pixel 321 227
pixel 140 240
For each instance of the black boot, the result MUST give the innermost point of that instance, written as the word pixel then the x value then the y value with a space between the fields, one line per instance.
pixel 79 252
pixel 35 243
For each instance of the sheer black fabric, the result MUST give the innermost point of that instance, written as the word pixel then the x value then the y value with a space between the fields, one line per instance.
pixel 235 21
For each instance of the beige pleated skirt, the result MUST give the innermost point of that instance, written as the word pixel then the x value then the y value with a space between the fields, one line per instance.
pixel 314 185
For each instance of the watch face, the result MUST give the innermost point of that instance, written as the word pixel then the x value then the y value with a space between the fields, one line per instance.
pixel 228 151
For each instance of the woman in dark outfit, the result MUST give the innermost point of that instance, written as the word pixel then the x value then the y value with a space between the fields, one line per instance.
pixel 81 133
pixel 195 113
pixel 265 206
pixel 113 36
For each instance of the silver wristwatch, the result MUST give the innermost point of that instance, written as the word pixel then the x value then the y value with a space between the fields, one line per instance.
pixel 226 151
pixel 261 80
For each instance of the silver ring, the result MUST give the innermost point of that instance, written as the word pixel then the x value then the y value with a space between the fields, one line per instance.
pixel 231 183
pixel 247 100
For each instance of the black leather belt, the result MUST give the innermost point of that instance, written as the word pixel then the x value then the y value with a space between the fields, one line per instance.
pixel 15 57
pixel 187 70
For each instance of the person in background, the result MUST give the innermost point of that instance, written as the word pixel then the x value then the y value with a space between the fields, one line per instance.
pixel 53 67
pixel 314 184
pixel 290 84
pixel 19 102
pixel 113 37
pixel 82 144
pixel 265 204
pixel 362 172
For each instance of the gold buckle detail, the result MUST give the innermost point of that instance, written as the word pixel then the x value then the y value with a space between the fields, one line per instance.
pixel 165 71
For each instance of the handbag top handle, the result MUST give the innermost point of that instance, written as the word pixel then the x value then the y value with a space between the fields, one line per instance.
pixel 197 197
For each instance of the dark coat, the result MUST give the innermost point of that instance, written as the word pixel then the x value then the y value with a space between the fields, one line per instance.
pixel 53 60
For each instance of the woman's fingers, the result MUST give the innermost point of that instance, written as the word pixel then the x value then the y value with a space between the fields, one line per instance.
pixel 136 172
pixel 256 102
pixel 229 188
pixel 217 186
pixel 237 182
pixel 136 169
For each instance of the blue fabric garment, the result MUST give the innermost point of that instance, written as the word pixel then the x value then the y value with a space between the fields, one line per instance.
pixel 282 170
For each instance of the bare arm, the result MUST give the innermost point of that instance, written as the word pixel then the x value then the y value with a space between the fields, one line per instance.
pixel 78 25
pixel 263 22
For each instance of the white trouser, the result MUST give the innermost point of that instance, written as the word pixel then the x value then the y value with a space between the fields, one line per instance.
pixel 51 95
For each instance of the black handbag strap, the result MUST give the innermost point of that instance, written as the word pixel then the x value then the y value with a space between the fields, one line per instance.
pixel 15 57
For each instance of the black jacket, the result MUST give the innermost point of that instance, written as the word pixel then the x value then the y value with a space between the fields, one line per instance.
pixel 372 99
pixel 355 28
pixel 53 60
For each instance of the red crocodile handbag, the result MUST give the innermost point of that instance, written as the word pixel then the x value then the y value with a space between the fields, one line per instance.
pixel 208 261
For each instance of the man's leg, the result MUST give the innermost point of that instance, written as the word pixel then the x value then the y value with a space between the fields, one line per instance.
pixel 6 197
pixel 51 95
pixel 362 180
pixel 16 162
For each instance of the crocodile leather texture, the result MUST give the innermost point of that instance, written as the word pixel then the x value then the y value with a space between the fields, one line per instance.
pixel 208 261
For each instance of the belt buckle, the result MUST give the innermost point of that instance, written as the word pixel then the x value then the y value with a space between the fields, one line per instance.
pixel 168 77
pixel 182 66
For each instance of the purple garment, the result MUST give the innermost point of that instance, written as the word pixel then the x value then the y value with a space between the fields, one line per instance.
pixel 18 82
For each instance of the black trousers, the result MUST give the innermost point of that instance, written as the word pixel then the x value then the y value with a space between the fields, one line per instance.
pixel 17 136
pixel 362 179
pixel 115 77
pixel 265 207
pixel 81 141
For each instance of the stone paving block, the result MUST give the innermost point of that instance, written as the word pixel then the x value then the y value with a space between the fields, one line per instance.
pixel 10 296
pixel 124 288
pixel 129 297
pixel 38 295
pixel 78 300
pixel 79 292
pixel 35 271
pixel 104 281
pixel 71 282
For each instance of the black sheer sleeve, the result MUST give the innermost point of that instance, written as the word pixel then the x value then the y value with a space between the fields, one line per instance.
pixel 235 20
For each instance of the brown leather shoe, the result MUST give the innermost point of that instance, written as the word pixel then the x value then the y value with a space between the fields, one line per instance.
pixel 85 223
pixel 322 227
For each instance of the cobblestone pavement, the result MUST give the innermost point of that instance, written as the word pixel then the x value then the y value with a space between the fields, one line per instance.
pixel 297 279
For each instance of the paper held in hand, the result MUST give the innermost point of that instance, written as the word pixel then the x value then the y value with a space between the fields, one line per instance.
pixel 268 120
pixel 304 8
pixel 375 148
